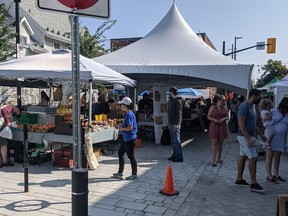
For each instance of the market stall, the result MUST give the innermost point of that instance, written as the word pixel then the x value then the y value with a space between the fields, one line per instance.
pixel 56 67
pixel 45 139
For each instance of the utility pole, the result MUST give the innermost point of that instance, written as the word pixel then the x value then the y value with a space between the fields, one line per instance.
pixel 17 25
pixel 223 48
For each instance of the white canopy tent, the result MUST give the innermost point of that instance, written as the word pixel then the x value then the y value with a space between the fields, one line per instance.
pixel 172 53
pixel 282 82
pixel 57 67
pixel 280 90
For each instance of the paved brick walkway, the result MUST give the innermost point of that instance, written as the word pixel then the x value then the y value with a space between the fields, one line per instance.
pixel 203 189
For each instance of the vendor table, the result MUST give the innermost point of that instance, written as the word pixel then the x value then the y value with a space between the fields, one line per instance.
pixel 97 137
pixel 52 142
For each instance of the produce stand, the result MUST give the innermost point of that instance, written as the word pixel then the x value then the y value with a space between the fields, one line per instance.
pixel 48 142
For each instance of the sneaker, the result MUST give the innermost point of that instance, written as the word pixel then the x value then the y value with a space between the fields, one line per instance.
pixel 256 187
pixel 118 175
pixel 241 182
pixel 171 157
pixel 273 180
pixel 279 178
pixel 132 177
pixel 177 160
pixel 8 163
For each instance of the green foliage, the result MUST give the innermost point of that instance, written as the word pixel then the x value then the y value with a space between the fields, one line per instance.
pixel 272 69
pixel 7 34
pixel 92 46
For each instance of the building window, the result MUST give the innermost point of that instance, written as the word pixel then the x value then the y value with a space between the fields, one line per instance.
pixel 23 41
pixel 56 46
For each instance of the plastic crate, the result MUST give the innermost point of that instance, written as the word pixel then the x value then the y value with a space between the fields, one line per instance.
pixel 27 118
pixel 64 162
pixel 15 151
pixel 39 157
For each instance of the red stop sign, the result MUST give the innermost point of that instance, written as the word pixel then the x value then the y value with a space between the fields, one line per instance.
pixel 79 4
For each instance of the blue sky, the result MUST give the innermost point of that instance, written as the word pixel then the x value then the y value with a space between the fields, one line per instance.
pixel 221 20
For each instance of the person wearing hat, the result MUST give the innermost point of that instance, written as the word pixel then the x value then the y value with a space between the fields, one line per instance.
pixel 6 115
pixel 175 109
pixel 129 129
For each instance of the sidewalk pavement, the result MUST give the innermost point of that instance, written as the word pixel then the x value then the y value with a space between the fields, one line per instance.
pixel 203 189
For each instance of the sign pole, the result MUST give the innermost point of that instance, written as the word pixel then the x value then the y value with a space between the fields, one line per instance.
pixel 79 174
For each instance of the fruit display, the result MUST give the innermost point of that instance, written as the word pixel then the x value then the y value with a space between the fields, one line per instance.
pixel 99 125
pixel 38 128
pixel 64 110
pixel 68 117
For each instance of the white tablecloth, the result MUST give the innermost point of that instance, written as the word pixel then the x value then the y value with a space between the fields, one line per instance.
pixel 97 137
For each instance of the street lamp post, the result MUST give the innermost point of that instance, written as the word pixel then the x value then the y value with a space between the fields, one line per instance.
pixel 235 46
pixel 17 24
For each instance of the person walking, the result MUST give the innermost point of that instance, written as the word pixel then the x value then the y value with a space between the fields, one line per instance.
pixel 129 128
pixel 218 115
pixel 6 114
pixel 246 136
pixel 175 109
pixel 278 142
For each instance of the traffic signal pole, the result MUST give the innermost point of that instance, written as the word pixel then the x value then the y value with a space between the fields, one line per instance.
pixel 240 50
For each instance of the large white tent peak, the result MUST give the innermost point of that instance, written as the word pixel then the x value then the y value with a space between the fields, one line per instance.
pixel 172 48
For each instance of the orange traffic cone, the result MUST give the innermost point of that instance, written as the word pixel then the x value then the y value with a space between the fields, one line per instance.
pixel 169 185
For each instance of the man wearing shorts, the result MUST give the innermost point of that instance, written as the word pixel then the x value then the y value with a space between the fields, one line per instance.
pixel 247 121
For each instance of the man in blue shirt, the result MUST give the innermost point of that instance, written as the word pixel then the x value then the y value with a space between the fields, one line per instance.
pixel 247 121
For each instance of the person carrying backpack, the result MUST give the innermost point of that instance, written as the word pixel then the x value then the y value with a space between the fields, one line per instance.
pixel 246 136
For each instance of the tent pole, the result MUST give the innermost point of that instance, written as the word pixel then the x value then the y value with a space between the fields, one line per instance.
pixel 90 106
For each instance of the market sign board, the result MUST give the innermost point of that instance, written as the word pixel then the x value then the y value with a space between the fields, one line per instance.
pixel 90 8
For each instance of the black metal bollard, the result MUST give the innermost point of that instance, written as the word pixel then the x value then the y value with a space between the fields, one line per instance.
pixel 25 158
pixel 80 192
pixel 83 148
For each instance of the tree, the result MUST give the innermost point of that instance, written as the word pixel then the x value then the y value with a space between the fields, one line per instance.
pixel 92 46
pixel 7 34
pixel 272 69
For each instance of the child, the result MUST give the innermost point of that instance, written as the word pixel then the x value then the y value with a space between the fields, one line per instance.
pixel 265 112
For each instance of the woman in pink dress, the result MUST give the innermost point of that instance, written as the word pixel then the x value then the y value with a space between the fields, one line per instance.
pixel 218 115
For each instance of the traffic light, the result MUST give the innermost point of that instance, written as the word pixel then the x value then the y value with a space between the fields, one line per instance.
pixel 271 45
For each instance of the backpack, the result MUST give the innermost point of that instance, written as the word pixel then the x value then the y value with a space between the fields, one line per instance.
pixel 165 137
pixel 233 123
